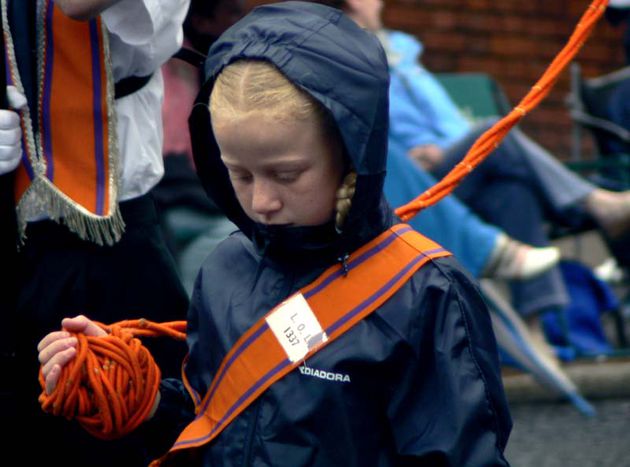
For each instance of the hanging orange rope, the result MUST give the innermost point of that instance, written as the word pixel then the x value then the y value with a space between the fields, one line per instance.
pixel 111 384
pixel 488 141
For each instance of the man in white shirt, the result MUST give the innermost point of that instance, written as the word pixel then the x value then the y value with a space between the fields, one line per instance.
pixel 62 270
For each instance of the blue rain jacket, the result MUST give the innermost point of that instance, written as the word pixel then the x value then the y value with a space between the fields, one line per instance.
pixel 415 383
pixel 451 222
pixel 422 112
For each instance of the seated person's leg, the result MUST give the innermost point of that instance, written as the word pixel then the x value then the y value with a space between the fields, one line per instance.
pixel 515 208
pixel 565 197
pixel 518 157
pixel 483 249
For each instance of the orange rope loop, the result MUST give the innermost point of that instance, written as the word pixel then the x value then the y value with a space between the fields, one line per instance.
pixel 489 140
pixel 111 384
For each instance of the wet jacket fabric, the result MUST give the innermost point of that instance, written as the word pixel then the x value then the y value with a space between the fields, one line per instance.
pixel 415 383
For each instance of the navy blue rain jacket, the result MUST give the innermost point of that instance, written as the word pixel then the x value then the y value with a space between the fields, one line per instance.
pixel 415 383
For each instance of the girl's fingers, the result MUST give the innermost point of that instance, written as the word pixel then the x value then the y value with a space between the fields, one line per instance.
pixel 55 347
pixel 59 359
pixel 52 379
pixel 50 338
pixel 83 324
pixel 58 348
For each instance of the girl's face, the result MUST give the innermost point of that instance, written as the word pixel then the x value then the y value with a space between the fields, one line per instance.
pixel 282 172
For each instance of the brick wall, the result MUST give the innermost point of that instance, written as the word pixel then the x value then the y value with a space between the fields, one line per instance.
pixel 513 40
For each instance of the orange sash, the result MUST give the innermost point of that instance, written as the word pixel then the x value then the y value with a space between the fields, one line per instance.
pixel 337 300
pixel 68 169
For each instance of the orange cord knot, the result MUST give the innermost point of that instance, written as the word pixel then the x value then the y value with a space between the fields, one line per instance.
pixel 111 384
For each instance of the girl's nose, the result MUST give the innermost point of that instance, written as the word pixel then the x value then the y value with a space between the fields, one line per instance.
pixel 265 199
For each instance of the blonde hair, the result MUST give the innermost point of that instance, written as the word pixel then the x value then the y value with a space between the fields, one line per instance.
pixel 252 86
pixel 247 87
pixel 344 198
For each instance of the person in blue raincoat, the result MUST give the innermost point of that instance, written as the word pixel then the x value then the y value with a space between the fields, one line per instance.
pixel 290 140
pixel 520 188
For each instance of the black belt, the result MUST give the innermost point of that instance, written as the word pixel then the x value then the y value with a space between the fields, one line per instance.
pixel 129 85
pixel 191 56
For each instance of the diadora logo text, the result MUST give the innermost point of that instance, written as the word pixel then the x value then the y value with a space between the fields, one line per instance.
pixel 322 374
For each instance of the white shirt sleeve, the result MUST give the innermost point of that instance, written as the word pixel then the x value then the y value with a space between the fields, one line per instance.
pixel 143 34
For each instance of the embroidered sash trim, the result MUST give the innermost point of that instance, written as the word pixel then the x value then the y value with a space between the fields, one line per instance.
pixel 258 359
pixel 69 166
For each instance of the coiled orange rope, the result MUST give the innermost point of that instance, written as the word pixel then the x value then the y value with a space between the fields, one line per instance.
pixel 111 384
pixel 488 141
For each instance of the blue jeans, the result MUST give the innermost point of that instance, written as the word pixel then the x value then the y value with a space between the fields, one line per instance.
pixel 519 188
pixel 449 222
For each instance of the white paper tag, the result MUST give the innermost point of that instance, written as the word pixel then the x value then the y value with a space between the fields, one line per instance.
pixel 295 326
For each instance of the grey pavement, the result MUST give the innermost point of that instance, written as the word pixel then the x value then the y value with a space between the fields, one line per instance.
pixel 554 434
pixel 550 432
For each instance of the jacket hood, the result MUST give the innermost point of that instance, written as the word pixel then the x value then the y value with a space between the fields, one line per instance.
pixel 342 66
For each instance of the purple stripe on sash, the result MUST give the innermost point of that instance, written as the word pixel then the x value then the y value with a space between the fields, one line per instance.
pixel 383 290
pixel 99 152
pixel 196 397
pixel 45 119
pixel 356 262
pixel 238 403
pixel 333 327
pixel 195 394
pixel 375 249
pixel 228 364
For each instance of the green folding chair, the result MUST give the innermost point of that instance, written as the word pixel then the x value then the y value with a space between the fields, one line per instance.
pixel 477 95
pixel 588 107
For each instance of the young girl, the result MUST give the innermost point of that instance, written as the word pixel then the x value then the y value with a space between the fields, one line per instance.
pixel 295 154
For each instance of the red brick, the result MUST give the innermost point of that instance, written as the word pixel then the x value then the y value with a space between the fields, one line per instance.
pixel 514 41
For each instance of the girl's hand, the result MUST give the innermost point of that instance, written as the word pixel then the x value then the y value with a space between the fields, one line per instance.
pixel 59 347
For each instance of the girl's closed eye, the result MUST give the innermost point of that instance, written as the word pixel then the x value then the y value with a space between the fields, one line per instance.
pixel 240 176
pixel 287 176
